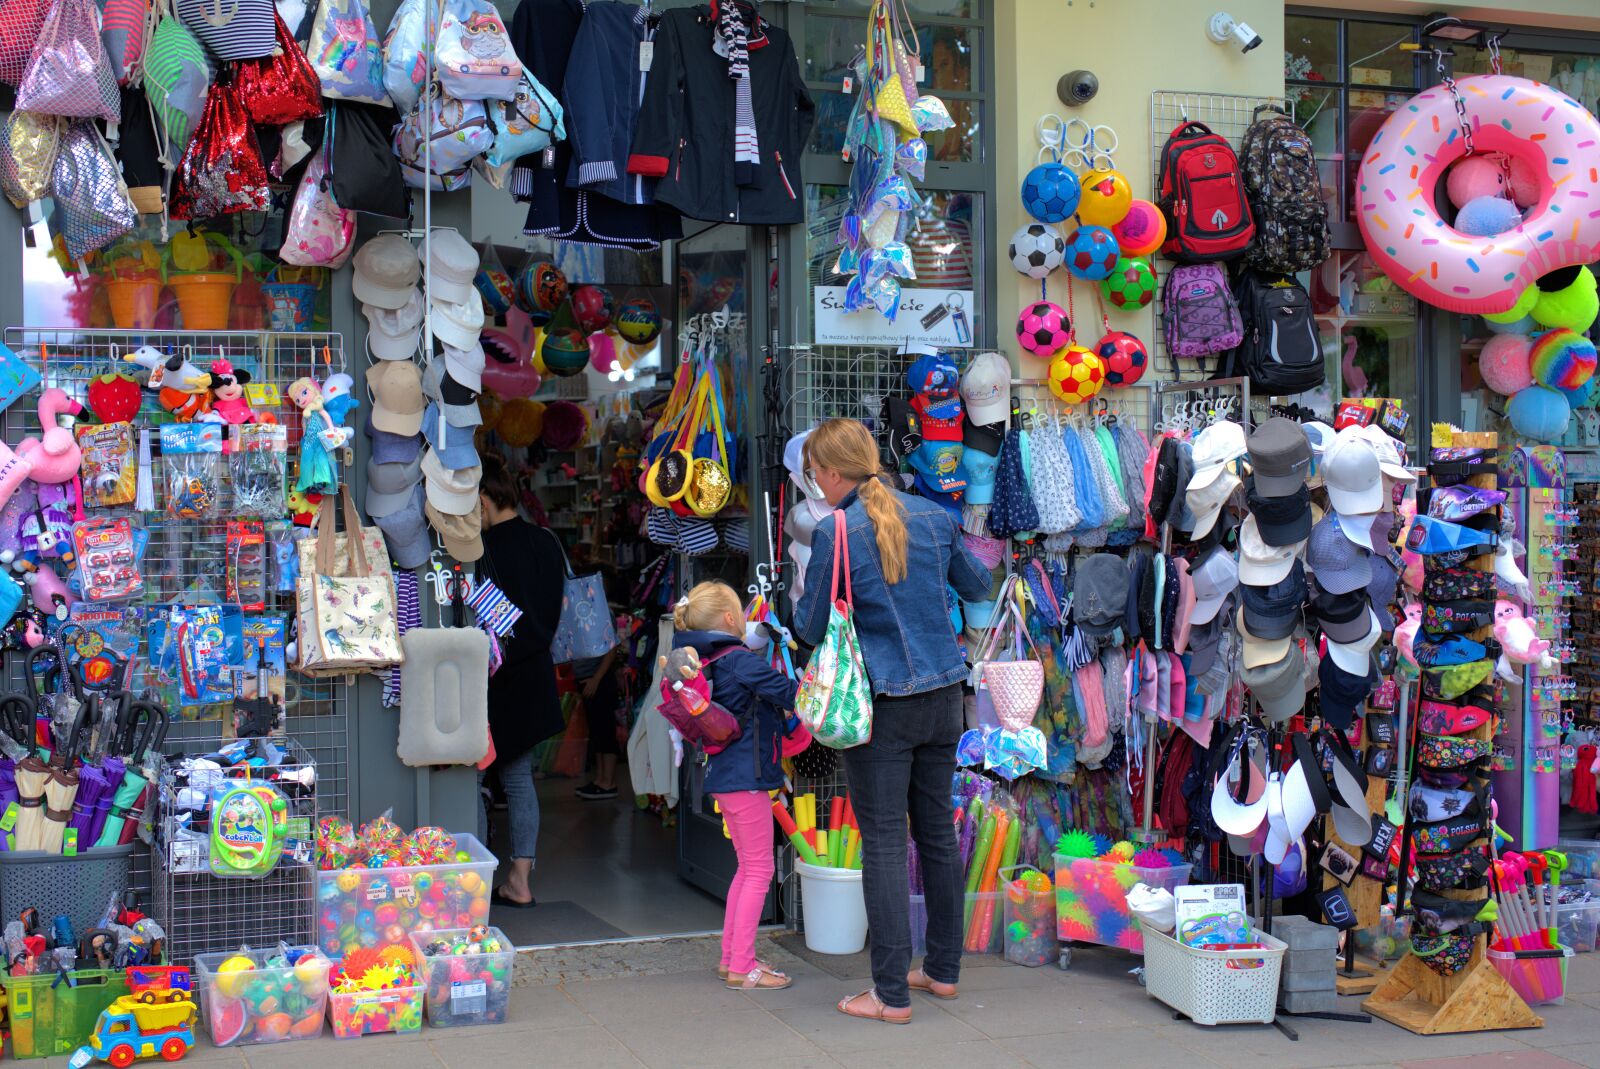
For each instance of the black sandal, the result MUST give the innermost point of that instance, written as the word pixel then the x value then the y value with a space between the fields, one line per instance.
pixel 500 898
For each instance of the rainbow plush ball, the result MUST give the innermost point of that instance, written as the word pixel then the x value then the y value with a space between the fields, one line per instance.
pixel 1130 285
pixel 1569 299
pixel 1043 328
pixel 1562 359
pixel 1092 253
pixel 1484 217
pixel 1539 413
pixel 1582 396
pixel 639 321
pixel 1050 193
pixel 1503 363
pixel 1124 356
pixel 1076 375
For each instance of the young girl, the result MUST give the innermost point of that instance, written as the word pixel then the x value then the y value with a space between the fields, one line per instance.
pixel 710 622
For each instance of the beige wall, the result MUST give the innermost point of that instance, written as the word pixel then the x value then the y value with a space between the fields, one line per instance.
pixel 1552 14
pixel 1136 47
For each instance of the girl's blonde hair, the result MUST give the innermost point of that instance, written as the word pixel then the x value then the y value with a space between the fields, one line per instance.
pixel 703 608
pixel 847 447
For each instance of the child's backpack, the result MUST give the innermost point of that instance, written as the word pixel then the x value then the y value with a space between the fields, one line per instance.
pixel 1198 315
pixel 1282 351
pixel 691 710
pixel 1284 190
pixel 1202 194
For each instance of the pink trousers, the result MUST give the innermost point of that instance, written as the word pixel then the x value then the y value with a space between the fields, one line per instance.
pixel 749 818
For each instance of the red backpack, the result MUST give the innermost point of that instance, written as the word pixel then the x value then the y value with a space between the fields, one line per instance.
pixel 1202 194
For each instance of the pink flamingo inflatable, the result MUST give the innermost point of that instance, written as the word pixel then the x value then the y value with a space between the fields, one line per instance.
pixel 54 455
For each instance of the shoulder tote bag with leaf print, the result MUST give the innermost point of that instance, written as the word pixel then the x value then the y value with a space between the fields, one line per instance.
pixel 345 608
pixel 835 697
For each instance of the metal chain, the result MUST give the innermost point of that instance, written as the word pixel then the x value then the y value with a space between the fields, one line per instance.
pixel 1455 95
pixel 1494 54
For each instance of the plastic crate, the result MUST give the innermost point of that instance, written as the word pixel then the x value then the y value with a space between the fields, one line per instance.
pixel 971 909
pixel 1541 981
pixel 1386 940
pixel 79 886
pixel 466 989
pixel 382 907
pixel 1212 987
pixel 49 1018
pixel 1092 902
pixel 265 1004
pixel 1583 858
pixel 366 1013
pixel 1578 926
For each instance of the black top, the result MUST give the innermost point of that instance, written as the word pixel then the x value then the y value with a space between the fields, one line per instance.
pixel 527 564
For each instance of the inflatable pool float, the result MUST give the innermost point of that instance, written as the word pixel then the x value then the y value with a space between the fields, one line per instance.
pixel 1521 119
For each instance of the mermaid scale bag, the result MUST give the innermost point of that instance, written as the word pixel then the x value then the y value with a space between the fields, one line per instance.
pixel 28 146
pixel 69 73
pixel 1015 686
pixel 92 203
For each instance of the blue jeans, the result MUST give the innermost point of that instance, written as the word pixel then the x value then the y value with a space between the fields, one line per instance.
pixel 522 806
pixel 906 770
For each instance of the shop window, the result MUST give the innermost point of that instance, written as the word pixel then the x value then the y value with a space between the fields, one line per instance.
pixel 1370 334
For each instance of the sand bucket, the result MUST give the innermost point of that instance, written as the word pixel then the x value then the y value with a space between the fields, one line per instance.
pixel 290 304
pixel 205 297
pixel 134 301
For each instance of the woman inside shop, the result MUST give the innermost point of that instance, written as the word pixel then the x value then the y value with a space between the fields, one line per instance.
pixel 524 709
pixel 903 551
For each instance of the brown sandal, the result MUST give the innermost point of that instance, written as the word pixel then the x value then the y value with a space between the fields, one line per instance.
pixel 722 970
pixel 879 1011
pixel 760 978
pixel 918 980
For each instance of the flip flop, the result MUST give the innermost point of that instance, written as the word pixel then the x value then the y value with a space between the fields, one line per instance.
pixel 879 1010
pixel 500 898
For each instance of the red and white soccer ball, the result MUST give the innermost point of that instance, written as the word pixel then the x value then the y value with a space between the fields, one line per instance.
pixel 1124 356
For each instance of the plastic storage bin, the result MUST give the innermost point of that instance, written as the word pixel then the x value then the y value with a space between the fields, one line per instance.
pixel 1030 917
pixel 1541 981
pixel 465 989
pixel 1213 987
pixel 78 886
pixel 49 1018
pixel 1386 940
pixel 1578 926
pixel 366 1013
pixel 1583 858
pixel 1092 903
pixel 381 907
pixel 971 908
pixel 266 1004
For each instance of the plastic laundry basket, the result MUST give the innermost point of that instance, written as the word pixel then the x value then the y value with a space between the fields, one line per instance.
pixel 833 909
pixel 1215 986
pixel 79 886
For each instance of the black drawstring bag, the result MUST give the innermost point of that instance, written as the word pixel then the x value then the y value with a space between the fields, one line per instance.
pixel 363 169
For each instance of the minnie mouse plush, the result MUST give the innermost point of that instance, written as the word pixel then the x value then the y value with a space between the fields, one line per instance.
pixel 227 395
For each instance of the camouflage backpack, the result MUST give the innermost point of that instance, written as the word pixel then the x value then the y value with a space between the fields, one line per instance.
pixel 1285 194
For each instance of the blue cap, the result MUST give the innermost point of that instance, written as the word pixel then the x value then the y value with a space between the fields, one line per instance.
pixel 939 466
pixel 933 373
pixel 453 444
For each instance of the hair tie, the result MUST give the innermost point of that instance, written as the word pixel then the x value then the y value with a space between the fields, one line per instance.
pixel 681 603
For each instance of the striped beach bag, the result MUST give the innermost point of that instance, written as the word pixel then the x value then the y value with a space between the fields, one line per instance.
pixel 232 29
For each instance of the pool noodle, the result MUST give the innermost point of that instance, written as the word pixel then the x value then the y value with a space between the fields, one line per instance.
pixel 836 813
pixel 786 822
pixel 978 930
pixel 975 872
pixel 1008 860
pixel 852 850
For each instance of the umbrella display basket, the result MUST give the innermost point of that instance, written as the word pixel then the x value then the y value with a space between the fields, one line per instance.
pixel 181 825
pixel 77 885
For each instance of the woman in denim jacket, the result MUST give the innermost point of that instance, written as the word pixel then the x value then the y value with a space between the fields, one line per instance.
pixel 903 550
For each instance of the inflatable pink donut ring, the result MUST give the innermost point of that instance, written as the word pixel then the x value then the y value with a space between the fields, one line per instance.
pixel 1440 265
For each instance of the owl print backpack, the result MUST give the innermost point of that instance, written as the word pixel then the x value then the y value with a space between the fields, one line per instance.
pixel 475 57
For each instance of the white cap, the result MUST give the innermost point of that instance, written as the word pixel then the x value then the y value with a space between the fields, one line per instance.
pixel 1321 436
pixel 1259 563
pixel 460 324
pixel 986 388
pixel 386 271
pixel 454 493
pixel 466 366
pixel 1206 502
pixel 1388 453
pixel 454 266
pixel 1215 448
pixel 1353 657
pixel 394 333
pixel 1352 475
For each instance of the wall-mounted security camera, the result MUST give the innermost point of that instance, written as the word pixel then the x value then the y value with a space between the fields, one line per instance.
pixel 1224 28
pixel 1077 88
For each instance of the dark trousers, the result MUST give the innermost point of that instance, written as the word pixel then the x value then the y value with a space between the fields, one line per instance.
pixel 601 714
pixel 906 770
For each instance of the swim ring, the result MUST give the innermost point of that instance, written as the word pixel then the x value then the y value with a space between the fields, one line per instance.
pixel 1400 173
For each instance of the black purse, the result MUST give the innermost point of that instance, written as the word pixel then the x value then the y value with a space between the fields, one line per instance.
pixel 362 168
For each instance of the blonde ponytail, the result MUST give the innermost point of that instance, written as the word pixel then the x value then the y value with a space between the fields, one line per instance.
pixel 848 448
pixel 705 606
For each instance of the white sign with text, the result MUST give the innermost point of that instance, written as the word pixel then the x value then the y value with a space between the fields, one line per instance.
pixel 927 316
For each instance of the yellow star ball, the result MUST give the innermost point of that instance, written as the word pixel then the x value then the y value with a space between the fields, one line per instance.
pixel 1076 375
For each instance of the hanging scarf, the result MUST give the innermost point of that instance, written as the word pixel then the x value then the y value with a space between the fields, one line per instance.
pixel 1013 510
pixel 734 34
pixel 1052 483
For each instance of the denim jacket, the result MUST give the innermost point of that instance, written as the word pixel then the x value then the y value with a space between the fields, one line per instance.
pixel 905 632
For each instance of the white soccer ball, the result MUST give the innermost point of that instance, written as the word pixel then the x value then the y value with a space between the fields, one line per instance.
pixel 1036 250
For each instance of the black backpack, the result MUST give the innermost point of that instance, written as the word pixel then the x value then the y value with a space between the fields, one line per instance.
pixel 1285 194
pixel 1282 351
pixel 363 172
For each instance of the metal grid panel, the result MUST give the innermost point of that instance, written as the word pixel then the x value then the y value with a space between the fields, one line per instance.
pixel 205 914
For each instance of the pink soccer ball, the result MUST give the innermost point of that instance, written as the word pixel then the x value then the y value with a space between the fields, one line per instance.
pixel 1043 329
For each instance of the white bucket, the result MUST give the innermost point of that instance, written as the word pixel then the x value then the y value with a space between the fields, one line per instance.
pixel 833 908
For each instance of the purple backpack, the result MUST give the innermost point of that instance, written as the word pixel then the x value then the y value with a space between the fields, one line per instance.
pixel 1198 313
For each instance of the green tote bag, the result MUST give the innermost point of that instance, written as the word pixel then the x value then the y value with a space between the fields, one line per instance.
pixel 835 697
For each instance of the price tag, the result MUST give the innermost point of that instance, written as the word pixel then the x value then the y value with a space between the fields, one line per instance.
pixel 263 394
pixel 919 71
pixel 647 54
pixel 9 820
pixel 69 843
pixel 848 86
pixel 469 997
pixel 378 893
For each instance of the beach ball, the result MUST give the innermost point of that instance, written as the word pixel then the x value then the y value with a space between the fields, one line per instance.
pixel 1142 230
pixel 1036 250
pixel 1523 307
pixel 565 351
pixel 594 307
pixel 1106 198
pixel 1092 253
pixel 1130 285
pixel 1475 178
pixel 1567 298
pixel 1539 413
pixel 1503 363
pixel 603 352
pixel 1050 193
pixel 1076 375
pixel 1043 328
pixel 1124 356
pixel 1484 217
pixel 639 321
pixel 1561 359
pixel 546 288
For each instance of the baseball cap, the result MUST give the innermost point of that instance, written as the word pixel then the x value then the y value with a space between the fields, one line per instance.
pixel 1259 563
pixel 1280 457
pixel 462 535
pixel 983 437
pixel 940 464
pixel 453 492
pixel 1216 447
pixel 980 469
pixel 385 271
pixel 1351 473
pixel 458 324
pixel 394 333
pixel 453 264
pixel 1100 593
pixel 453 444
pixel 391 448
pixel 1258 649
pixel 1338 564
pixel 1361 528
pixel 1279 687
pixel 1274 611
pixel 940 416
pixel 986 388
pixel 1281 521
pixel 397 400
pixel 936 373
pixel 1342 617
pixel 1167 480
pixel 1215 577
pixel 466 365
pixel 406 531
pixel 1354 656
pixel 1388 450
pixel 389 485
pixel 1381 591
pixel 901 424
pixel 1320 436
pixel 1205 503
pixel 1341 692
pixel 928 487
pixel 458 402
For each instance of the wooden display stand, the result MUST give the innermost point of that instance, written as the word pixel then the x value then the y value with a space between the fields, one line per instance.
pixel 1365 896
pixel 1477 998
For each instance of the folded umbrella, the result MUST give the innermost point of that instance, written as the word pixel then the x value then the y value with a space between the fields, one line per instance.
pixel 62 787
pixel 32 775
pixel 16 736
pixel 95 784
pixel 149 728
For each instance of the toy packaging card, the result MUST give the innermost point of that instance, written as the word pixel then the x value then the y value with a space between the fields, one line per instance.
pixel 191 456
pixel 246 567
pixel 100 641
pixel 1210 915
pixel 108 559
pixel 259 465
pixel 110 464
pixel 259 677
pixel 193 649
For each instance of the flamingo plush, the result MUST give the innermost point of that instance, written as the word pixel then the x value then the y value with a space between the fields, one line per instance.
pixel 54 455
